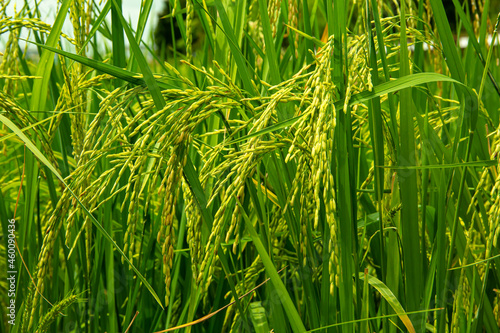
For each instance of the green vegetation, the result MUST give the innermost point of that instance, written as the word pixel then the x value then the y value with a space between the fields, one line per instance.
pixel 325 166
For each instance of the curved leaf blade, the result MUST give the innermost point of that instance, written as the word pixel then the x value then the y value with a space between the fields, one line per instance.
pixel 390 298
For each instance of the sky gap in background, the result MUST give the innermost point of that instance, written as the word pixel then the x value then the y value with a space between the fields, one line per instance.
pixel 48 8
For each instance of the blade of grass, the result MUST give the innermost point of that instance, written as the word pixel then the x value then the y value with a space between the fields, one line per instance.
pixel 346 235
pixel 282 293
pixel 149 79
pixel 272 61
pixel 375 318
pixel 472 39
pixel 46 62
pixel 487 163
pixel 38 102
pixel 366 304
pixel 36 152
pixel 123 74
pixel 235 50
pixel 446 37
pixel 117 25
pixel 390 298
pixel 408 185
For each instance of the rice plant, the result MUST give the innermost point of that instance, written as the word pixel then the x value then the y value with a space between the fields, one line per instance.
pixel 287 166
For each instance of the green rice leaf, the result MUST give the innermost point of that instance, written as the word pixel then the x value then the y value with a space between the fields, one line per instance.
pixel 40 88
pixel 388 295
pixel 281 292
pixel 120 73
pixel 150 81
pixel 38 154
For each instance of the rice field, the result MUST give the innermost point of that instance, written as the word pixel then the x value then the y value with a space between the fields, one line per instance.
pixel 280 166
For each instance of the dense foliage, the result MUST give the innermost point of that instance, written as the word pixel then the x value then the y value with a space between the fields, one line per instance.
pixel 325 166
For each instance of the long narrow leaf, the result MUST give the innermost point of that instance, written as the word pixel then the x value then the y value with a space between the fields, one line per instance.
pixel 38 154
